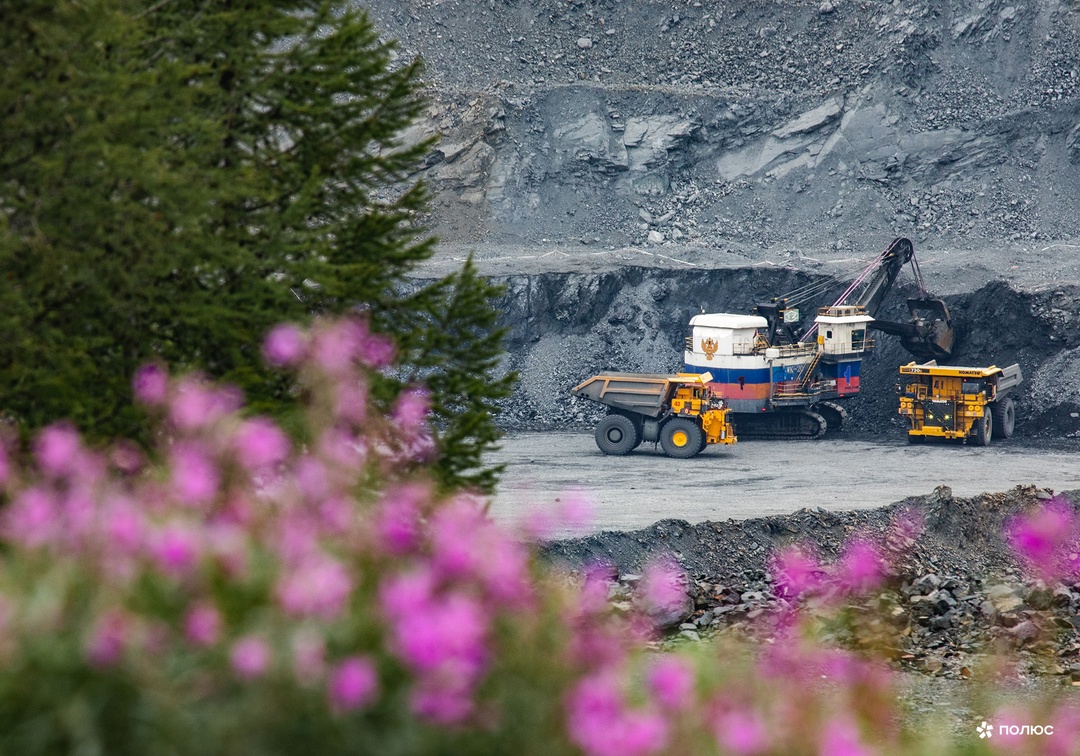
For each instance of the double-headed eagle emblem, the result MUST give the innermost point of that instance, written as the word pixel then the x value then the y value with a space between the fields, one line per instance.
pixel 709 346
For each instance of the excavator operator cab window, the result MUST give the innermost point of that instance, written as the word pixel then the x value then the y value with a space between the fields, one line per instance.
pixel 858 336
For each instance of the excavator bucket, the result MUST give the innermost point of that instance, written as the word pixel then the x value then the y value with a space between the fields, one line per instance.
pixel 932 336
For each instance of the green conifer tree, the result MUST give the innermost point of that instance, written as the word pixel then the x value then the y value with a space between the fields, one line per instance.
pixel 177 176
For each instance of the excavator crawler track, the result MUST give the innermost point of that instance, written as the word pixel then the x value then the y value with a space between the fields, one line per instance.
pixel 798 424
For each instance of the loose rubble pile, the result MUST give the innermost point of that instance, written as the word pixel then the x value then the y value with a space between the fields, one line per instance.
pixel 954 594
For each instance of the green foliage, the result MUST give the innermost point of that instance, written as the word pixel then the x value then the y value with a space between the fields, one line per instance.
pixel 179 176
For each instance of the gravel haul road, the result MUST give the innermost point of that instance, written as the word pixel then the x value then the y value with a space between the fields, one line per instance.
pixel 757 478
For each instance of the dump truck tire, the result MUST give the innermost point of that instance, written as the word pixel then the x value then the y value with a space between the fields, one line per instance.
pixel 1004 413
pixel 617 434
pixel 681 438
pixel 984 428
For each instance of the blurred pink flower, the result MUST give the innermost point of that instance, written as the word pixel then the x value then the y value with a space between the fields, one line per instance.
pixel 311 478
pixel 662 589
pixel 150 384
pixel 284 345
pixel 400 594
pixel 297 537
pixel 741 731
pixel 192 405
pixel 1040 538
pixel 107 639
pixel 202 625
pixel 445 699
pixel 411 409
pixel 351 401
pixel 841 738
pixel 195 478
pixel 336 514
pixel 122 524
pixel 175 550
pixel 376 351
pixel 31 519
pixel 126 457
pixel 249 657
pixel 397 521
pixel 335 345
pixel 454 529
pixel 353 684
pixel 319 586
pixel 859 568
pixel 57 449
pixel 599 721
pixel 261 443
pixel 671 680
pixel 454 629
pixel 1066 737
pixel 795 572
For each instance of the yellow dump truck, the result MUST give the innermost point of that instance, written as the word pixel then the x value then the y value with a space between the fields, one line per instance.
pixel 967 403
pixel 678 411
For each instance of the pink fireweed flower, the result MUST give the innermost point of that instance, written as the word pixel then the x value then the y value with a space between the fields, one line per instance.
pixel 122 524
pixel 126 457
pixel 397 521
pixel 411 409
pixel 297 537
pixel 795 572
pixel 454 630
pixel 671 681
pixel 285 345
pixel 599 721
pixel 202 625
pixel 311 478
pixel 375 350
pixel 353 684
pixel 1040 538
pixel 351 401
pixel 176 550
pixel 741 731
pixel 859 568
pixel 31 519
pixel 5 465
pixel 336 514
pixel 57 449
pixel 319 586
pixel 249 657
pixel 261 443
pixel 841 738
pixel 107 639
pixel 195 478
pixel 342 448
pixel 399 595
pixel 335 345
pixel 662 590
pixel 192 405
pixel 150 385
pixel 454 530
pixel 445 699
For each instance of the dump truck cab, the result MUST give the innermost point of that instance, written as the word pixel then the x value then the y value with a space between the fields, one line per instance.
pixel 966 403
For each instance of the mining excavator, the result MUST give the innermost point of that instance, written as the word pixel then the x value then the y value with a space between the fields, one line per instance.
pixel 779 381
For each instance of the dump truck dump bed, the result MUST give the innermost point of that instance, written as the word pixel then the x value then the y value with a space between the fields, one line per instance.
pixel 637 392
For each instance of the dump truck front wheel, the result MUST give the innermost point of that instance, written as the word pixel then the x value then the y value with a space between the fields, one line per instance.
pixel 681 438
pixel 1004 413
pixel 617 434
pixel 984 428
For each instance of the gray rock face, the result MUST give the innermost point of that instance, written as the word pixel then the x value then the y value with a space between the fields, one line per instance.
pixel 806 124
